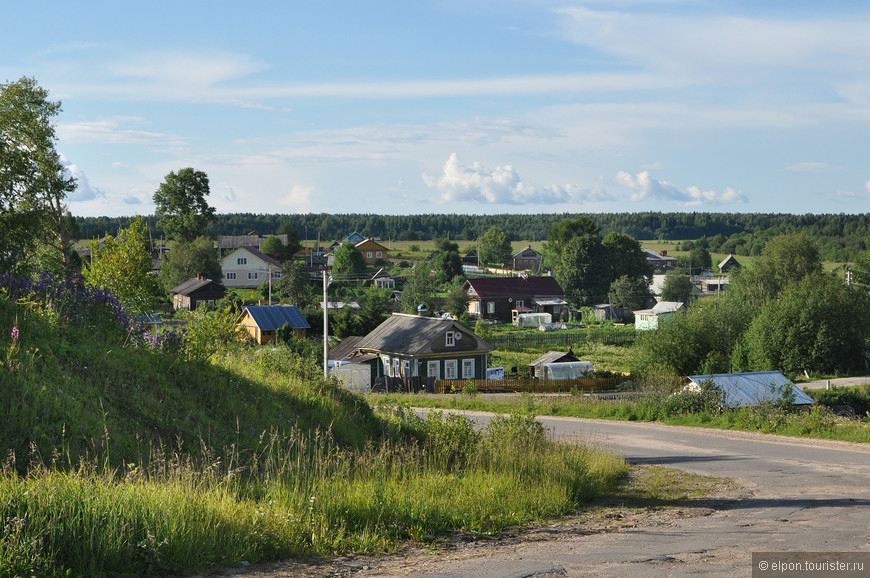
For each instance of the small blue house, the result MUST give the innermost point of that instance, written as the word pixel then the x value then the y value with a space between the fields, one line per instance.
pixel 650 319
pixel 748 389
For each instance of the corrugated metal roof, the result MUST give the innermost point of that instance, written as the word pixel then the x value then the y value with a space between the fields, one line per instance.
pixel 414 335
pixel 553 357
pixel 747 389
pixel 271 317
pixel 190 286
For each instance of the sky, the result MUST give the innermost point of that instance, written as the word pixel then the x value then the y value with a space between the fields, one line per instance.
pixel 457 106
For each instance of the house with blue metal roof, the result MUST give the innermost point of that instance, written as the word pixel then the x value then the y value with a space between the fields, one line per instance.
pixel 262 321
pixel 748 389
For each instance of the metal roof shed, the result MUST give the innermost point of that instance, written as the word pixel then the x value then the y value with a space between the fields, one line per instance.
pixel 748 389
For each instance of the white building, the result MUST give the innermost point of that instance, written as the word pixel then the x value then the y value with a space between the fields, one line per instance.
pixel 248 268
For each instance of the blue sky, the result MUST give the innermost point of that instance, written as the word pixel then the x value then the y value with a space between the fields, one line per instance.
pixel 455 106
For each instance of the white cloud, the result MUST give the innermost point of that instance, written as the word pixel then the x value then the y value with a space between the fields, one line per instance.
pixel 501 185
pixel 867 186
pixel 84 191
pixel 648 188
pixel 299 197
pixel 112 131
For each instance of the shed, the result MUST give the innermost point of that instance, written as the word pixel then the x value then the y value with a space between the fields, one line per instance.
pixel 748 389
pixel 566 370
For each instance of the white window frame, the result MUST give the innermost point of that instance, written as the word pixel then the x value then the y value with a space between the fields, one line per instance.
pixel 433 369
pixel 406 368
pixel 451 369
pixel 449 339
pixel 368 254
pixel 231 275
pixel 396 367
pixel 490 307
pixel 252 275
pixel 519 303
pixel 241 260
pixel 468 368
pixel 379 254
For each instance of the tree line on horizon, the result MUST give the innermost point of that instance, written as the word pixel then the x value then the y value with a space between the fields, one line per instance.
pixel 839 237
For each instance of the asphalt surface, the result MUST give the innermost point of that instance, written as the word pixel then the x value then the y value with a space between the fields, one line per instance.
pixel 797 496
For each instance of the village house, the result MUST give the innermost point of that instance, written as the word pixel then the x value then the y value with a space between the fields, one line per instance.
pixel 527 260
pixel 252 239
pixel 248 268
pixel 418 346
pixel 196 291
pixel 498 297
pixel 372 251
pixel 650 319
pixel 262 321
pixel 660 260
pixel 728 263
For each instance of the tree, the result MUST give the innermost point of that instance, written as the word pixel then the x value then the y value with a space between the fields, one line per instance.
pixel 181 207
pixel 561 234
pixel 583 270
pixel 295 284
pixel 699 258
pixel 187 260
pixel 348 261
pixel 677 287
pixel 494 247
pixel 122 265
pixel 448 266
pixel 626 258
pixel 456 301
pixel 419 289
pixel 293 244
pixel 33 182
pixel 816 325
pixel 630 293
pixel 273 246
pixel 785 260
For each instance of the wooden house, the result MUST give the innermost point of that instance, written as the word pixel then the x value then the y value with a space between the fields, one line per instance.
pixel 497 297
pixel 527 260
pixel 372 251
pixel 196 291
pixel 262 321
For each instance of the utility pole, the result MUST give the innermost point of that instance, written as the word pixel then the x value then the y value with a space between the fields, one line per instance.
pixel 325 324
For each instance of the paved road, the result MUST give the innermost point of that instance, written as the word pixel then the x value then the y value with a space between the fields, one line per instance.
pixel 839 381
pixel 798 496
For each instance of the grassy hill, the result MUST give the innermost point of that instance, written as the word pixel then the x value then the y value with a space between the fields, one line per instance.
pixel 123 459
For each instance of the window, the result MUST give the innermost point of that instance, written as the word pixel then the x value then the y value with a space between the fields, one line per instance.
pixel 490 307
pixel 519 303
pixel 379 254
pixel 252 274
pixel 467 368
pixel 406 368
pixel 395 368
pixel 231 275
pixel 450 369
pixel 433 369
pixel 477 307
pixel 451 339
pixel 386 362
pixel 368 254
pixel 241 261
pixel 276 274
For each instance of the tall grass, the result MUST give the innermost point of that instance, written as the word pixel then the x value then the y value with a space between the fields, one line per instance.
pixel 125 461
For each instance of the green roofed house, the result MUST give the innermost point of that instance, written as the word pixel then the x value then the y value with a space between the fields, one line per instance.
pixel 262 321
pixel 419 346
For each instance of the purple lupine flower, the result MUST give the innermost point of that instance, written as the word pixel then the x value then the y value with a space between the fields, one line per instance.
pixel 14 334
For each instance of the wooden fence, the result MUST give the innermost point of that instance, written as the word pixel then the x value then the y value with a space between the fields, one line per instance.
pixel 529 385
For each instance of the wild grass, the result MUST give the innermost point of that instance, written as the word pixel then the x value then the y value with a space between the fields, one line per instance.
pixel 127 461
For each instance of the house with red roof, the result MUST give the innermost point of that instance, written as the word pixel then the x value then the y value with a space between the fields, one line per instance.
pixel 498 297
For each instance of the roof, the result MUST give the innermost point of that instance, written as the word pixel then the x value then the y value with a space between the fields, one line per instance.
pixel 663 307
pixel 271 317
pixel 746 389
pixel 730 259
pixel 256 252
pixel 191 285
pixel 527 252
pixel 656 256
pixel 345 349
pixel 514 286
pixel 554 357
pixel 369 241
pixel 414 335
pixel 382 273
